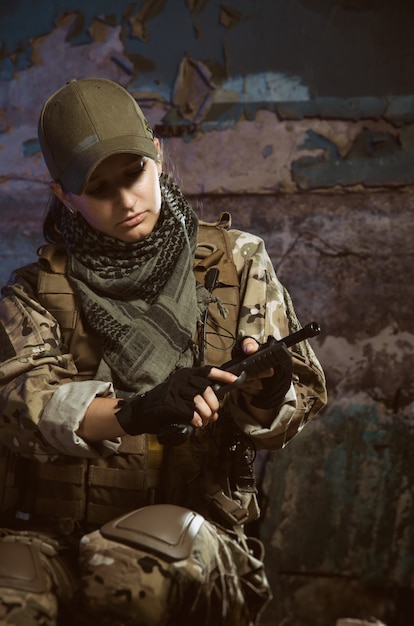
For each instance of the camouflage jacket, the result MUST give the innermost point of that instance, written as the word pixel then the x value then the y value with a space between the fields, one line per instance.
pixel 44 398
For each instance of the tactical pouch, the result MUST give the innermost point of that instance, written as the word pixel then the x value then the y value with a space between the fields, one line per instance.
pixel 165 529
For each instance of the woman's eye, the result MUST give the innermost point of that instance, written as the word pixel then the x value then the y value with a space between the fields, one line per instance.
pixel 99 190
pixel 125 178
pixel 136 172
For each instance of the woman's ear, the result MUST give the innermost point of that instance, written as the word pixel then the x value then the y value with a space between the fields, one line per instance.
pixel 56 188
pixel 158 162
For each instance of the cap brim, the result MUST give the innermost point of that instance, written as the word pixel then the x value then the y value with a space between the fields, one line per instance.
pixel 76 176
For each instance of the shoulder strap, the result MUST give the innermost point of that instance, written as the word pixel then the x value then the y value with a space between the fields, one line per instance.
pixel 55 291
pixel 214 252
pixel 56 294
pixel 214 235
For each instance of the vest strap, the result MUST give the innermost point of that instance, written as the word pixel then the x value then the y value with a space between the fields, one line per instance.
pixel 114 477
pixel 73 474
pixel 47 507
pixel 98 514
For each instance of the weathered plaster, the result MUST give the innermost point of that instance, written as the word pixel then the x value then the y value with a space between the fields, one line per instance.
pixel 287 149
pixel 339 499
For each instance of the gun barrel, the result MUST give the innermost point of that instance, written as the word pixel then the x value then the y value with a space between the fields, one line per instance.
pixel 310 330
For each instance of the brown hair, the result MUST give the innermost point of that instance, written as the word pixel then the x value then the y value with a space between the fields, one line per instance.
pixel 52 220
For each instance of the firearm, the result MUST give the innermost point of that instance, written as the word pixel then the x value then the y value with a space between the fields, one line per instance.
pixel 266 357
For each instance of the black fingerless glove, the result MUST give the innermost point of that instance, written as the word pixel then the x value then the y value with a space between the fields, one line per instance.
pixel 275 387
pixel 168 403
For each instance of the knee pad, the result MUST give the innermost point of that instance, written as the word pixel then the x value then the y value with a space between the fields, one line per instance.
pixel 165 529
pixel 21 567
pixel 25 590
pixel 34 562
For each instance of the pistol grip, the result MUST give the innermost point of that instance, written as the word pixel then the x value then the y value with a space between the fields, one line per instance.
pixel 221 390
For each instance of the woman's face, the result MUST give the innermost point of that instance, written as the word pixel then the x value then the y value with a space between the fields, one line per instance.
pixel 122 198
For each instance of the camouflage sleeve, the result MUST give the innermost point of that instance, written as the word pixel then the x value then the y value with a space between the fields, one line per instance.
pixel 41 402
pixel 267 309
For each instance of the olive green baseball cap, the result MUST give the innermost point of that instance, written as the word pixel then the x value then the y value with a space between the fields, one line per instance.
pixel 86 121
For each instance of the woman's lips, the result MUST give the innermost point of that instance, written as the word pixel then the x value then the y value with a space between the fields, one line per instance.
pixel 133 220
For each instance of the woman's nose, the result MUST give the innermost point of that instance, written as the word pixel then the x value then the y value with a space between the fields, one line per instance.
pixel 126 198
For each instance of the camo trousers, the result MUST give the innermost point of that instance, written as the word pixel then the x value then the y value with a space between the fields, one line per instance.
pixel 220 583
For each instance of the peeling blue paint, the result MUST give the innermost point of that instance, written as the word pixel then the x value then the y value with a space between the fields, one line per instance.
pixel 356 505
pixel 388 170
pixel 6 69
pixel 30 147
pixel 314 141
pixel 267 86
pixel 288 64
pixel 398 110
pixel 375 159
pixel 41 17
pixel 334 108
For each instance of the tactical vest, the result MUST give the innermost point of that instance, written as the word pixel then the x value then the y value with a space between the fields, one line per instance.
pixel 97 491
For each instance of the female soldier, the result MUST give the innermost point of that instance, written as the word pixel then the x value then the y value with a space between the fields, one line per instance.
pixel 127 453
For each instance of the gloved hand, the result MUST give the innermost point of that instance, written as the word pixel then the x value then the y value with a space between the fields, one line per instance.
pixel 274 388
pixel 168 403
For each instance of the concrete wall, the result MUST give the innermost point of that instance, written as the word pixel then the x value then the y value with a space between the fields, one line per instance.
pixel 297 117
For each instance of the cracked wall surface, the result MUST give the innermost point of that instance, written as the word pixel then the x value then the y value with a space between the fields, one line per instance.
pixel 338 500
pixel 296 116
